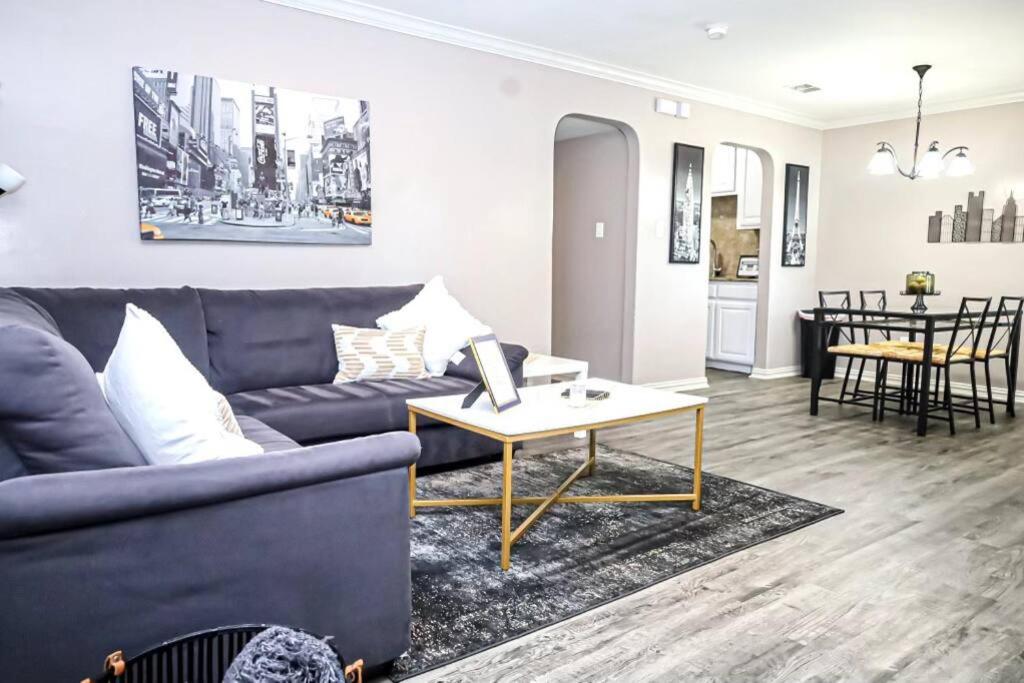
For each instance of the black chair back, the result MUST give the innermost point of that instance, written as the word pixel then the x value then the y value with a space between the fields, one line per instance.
pixel 1005 325
pixel 838 299
pixel 873 300
pixel 969 327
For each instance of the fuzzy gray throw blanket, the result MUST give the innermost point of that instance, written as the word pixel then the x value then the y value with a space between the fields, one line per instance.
pixel 281 655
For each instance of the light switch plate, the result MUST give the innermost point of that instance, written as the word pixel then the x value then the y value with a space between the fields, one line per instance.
pixel 599 230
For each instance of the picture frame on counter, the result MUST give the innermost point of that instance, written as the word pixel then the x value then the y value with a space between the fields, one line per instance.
pixel 748 267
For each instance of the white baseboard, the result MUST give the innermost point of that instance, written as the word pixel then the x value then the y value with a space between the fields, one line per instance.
pixel 690 384
pixel 775 373
pixel 728 367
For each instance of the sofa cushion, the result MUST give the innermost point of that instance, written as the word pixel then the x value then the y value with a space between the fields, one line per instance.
pixel 52 412
pixel 164 404
pixel 467 368
pixel 91 319
pixel 335 411
pixel 10 463
pixel 270 439
pixel 282 338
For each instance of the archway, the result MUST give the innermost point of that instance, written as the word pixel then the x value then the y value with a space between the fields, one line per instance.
pixel 596 173
pixel 742 187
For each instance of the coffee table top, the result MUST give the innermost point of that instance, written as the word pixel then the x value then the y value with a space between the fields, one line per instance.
pixel 544 412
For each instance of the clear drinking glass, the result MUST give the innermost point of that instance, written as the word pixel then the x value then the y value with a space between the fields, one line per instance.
pixel 577 394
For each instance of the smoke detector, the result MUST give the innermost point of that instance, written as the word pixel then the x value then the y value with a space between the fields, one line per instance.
pixel 716 31
pixel 805 88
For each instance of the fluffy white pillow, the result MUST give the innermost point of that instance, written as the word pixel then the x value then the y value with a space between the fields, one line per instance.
pixel 449 325
pixel 160 399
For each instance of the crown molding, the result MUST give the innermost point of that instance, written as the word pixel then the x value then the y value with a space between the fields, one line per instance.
pixel 399 22
pixel 940 107
pixel 363 13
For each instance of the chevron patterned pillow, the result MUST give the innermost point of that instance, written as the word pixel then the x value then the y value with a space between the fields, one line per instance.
pixel 365 354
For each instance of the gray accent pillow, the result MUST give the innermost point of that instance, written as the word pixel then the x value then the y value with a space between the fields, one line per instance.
pixel 52 412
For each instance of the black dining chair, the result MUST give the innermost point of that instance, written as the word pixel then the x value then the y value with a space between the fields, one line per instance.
pixel 962 349
pixel 1002 339
pixel 874 300
pixel 844 344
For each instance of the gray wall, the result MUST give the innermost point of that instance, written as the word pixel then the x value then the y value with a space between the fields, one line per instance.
pixel 462 161
pixel 588 273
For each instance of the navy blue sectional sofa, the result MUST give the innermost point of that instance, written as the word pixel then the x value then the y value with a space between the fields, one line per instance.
pixel 99 551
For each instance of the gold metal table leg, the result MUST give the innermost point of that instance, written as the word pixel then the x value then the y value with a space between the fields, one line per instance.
pixel 506 507
pixel 592 454
pixel 412 471
pixel 697 454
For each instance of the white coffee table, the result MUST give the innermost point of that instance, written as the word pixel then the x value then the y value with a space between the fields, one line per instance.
pixel 544 413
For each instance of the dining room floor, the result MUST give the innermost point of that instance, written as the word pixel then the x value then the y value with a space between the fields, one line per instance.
pixel 922 579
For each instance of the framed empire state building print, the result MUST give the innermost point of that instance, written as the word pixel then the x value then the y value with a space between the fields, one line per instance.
pixel 687 190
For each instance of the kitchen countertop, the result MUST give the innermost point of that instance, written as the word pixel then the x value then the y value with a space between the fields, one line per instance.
pixel 726 278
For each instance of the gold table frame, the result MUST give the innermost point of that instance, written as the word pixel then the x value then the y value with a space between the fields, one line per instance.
pixel 507 500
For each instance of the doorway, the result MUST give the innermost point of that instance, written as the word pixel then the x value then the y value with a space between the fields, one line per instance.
pixel 594 244
pixel 737 253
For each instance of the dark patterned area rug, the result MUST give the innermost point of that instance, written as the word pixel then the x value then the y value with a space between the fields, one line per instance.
pixel 576 557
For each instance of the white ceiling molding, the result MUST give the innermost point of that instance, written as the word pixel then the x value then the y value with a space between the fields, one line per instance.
pixel 362 13
pixel 400 22
pixel 929 108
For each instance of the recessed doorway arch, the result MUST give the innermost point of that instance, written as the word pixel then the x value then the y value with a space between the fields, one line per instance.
pixel 594 235
pixel 753 177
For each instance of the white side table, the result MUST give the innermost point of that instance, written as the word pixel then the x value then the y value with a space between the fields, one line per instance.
pixel 540 365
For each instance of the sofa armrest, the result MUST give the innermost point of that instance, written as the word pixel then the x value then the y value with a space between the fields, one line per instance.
pixel 53 502
pixel 515 355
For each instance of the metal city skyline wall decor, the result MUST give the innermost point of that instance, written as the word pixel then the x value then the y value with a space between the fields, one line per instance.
pixel 978 224
pixel 230 161
pixel 687 190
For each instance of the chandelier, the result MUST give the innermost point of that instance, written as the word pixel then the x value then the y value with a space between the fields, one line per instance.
pixel 933 163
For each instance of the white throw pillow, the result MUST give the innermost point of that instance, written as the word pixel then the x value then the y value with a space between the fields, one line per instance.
pixel 164 404
pixel 225 413
pixel 449 325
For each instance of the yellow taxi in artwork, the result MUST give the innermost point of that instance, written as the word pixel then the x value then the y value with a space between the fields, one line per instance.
pixel 151 232
pixel 358 217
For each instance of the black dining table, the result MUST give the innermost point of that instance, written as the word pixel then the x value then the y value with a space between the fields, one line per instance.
pixel 918 326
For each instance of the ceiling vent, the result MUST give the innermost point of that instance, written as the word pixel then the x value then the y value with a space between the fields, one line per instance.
pixel 805 88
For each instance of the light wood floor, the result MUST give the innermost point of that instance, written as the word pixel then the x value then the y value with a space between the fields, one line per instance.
pixel 922 579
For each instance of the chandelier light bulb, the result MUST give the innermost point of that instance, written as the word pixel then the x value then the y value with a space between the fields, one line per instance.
pixel 882 163
pixel 960 165
pixel 931 163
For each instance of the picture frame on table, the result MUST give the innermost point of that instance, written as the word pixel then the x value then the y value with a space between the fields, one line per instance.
pixel 496 377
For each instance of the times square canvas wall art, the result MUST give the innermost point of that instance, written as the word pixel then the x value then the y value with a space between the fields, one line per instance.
pixel 240 162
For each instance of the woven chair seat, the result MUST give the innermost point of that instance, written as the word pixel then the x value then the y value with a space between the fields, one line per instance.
pixel 905 355
pixel 863 350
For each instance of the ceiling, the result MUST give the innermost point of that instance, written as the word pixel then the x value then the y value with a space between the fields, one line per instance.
pixel 859 53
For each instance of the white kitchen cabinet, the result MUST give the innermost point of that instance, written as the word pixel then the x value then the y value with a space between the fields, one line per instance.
pixel 732 324
pixel 723 170
pixel 737 170
pixel 748 201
